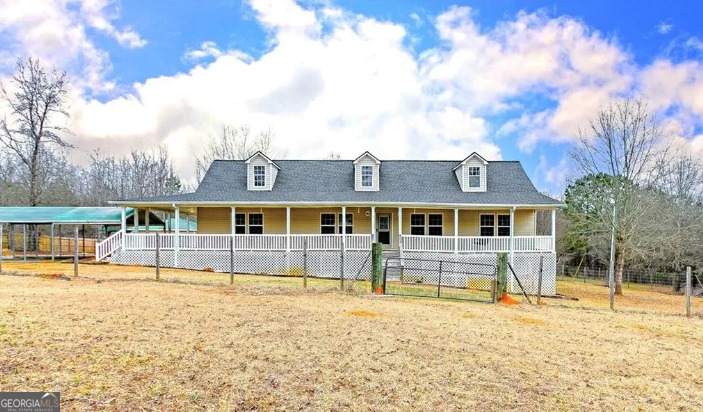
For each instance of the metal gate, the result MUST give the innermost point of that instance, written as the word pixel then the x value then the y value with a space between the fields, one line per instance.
pixel 439 279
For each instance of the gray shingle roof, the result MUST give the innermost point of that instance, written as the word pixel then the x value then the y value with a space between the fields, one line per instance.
pixel 332 181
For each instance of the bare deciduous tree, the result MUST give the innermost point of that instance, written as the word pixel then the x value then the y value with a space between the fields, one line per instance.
pixel 625 143
pixel 233 143
pixel 36 100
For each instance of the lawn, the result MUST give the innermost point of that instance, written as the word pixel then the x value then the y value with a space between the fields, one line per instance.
pixel 113 340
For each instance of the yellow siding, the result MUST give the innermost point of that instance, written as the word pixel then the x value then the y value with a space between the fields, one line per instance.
pixel 216 220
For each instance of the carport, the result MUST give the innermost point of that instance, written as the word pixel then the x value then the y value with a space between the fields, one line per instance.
pixel 56 217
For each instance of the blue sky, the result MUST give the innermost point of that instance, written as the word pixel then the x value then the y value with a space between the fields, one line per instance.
pixel 413 79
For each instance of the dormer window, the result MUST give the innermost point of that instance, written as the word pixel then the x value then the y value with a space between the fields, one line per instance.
pixel 471 173
pixel 474 177
pixel 261 172
pixel 367 173
pixel 259 176
pixel 366 176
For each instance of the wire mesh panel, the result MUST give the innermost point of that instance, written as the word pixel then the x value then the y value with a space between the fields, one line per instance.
pixel 438 278
pixel 527 268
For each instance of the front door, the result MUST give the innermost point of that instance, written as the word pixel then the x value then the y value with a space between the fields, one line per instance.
pixel 383 233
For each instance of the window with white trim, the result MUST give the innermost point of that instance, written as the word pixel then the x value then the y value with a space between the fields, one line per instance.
pixel 349 225
pixel 327 223
pixel 487 225
pixel 434 224
pixel 366 176
pixel 259 176
pixel 503 225
pixel 256 223
pixel 474 176
pixel 240 224
pixel 417 224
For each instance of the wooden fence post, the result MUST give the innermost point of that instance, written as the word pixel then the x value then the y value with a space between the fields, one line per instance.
pixel 231 260
pixel 688 291
pixel 539 279
pixel 502 275
pixel 305 262
pixel 377 268
pixel 341 266
pixel 75 251
pixel 157 244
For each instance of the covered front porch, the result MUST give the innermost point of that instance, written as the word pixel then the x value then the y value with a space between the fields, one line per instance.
pixel 297 228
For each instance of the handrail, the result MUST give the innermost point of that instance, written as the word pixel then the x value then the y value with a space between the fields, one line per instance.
pixel 110 245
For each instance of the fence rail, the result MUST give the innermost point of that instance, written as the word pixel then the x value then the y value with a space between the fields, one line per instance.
pixel 630 277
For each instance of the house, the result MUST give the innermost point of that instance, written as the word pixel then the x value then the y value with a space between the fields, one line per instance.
pixel 270 210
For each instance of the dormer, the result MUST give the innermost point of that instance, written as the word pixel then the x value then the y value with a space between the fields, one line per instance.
pixel 366 173
pixel 261 172
pixel 471 173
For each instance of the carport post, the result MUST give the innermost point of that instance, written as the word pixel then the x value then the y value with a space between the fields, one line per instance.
pixel 12 242
pixel 52 242
pixel 75 250
pixel 123 220
pixel 24 241
pixel 0 248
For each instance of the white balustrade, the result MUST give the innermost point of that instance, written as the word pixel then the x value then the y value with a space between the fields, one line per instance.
pixel 473 244
pixel 415 243
pixel 109 245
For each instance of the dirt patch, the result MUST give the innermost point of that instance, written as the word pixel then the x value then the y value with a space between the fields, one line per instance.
pixel 131 343
pixel 530 321
pixel 364 314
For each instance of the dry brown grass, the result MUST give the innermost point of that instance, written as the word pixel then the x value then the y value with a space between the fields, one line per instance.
pixel 265 344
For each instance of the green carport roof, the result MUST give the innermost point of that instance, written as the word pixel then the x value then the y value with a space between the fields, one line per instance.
pixel 65 215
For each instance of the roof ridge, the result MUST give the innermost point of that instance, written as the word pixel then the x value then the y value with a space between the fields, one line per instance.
pixel 352 160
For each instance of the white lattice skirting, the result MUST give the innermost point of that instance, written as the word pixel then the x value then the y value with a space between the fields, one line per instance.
pixel 325 264
pixel 526 266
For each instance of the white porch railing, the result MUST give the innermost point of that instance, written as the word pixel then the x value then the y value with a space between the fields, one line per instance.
pixel 413 243
pixel 533 244
pixel 147 241
pixel 109 245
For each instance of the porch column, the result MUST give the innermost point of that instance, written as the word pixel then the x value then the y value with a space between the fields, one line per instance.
pixel 287 229
pixel 187 223
pixel 233 219
pixel 554 230
pixel 52 241
pixel 344 224
pixel 512 228
pixel 456 230
pixel 177 227
pixel 146 219
pixel 123 219
pixel 135 228
pixel 400 233
pixel 373 224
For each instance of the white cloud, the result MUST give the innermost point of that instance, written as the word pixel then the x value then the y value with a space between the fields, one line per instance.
pixel 208 49
pixel 664 27
pixel 55 32
pixel 357 86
